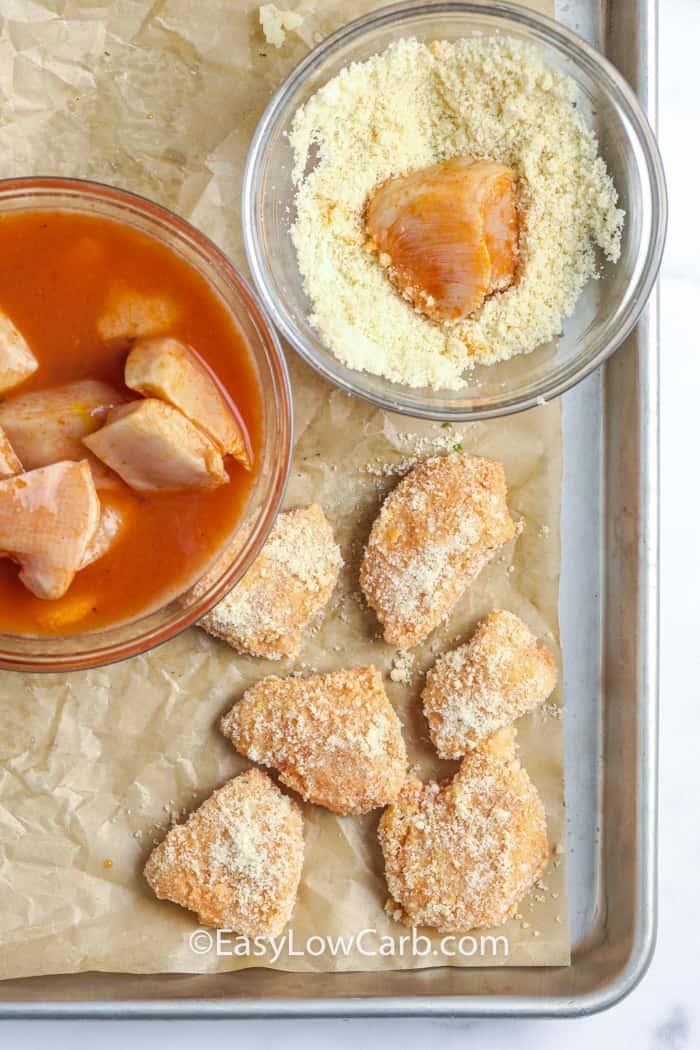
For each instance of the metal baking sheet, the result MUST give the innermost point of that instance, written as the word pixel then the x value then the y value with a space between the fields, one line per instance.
pixel 608 607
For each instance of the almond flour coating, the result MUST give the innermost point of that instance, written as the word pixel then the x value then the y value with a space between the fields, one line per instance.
pixel 334 738
pixel 289 583
pixel 237 861
pixel 462 854
pixel 476 689
pixel 434 534
pixel 412 106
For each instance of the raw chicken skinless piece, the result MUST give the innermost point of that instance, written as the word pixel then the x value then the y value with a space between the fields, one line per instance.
pixel 154 447
pixel 166 368
pixel 111 521
pixel 109 528
pixel 47 426
pixel 129 314
pixel 17 362
pixel 48 517
pixel 447 235
pixel 10 463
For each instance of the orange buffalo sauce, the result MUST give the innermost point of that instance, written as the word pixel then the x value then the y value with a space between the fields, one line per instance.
pixel 57 271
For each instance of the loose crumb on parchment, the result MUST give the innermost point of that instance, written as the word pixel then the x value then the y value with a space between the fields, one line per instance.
pixel 276 23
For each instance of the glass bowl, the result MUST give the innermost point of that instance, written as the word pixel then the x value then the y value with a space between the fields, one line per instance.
pixel 608 308
pixel 136 636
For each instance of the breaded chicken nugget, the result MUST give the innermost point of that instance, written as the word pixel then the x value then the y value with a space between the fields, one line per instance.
pixel 498 676
pixel 287 585
pixel 462 854
pixel 334 738
pixel 237 861
pixel 434 534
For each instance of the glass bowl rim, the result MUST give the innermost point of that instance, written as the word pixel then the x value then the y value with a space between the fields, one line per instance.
pixel 584 55
pixel 269 345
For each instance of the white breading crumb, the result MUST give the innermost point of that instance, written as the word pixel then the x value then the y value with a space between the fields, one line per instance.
pixel 402 668
pixel 276 23
pixel 416 447
pixel 241 849
pixel 410 107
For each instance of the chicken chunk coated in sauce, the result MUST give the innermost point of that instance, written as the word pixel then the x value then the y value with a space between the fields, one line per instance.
pixel 46 426
pixel 48 517
pixel 154 447
pixel 166 368
pixel 17 362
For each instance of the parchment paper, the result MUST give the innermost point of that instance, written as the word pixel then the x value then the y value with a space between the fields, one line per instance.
pixel 94 765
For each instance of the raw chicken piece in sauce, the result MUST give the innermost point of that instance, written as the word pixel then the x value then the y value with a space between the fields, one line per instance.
pixel 47 519
pixel 129 314
pixel 154 447
pixel 448 235
pixel 10 463
pixel 166 368
pixel 46 426
pixel 17 362
pixel 109 528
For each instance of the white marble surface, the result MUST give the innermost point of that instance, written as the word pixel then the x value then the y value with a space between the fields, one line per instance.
pixel 663 1013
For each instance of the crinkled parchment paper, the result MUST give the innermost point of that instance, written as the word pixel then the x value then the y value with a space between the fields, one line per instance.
pixel 163 100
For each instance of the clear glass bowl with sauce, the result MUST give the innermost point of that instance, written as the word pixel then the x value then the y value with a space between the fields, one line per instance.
pixel 608 308
pixel 205 589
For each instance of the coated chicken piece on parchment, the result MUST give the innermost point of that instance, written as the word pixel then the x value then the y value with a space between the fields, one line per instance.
pixel 334 738
pixel 462 854
pixel 237 860
pixel 434 534
pixel 499 675
pixel 286 587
